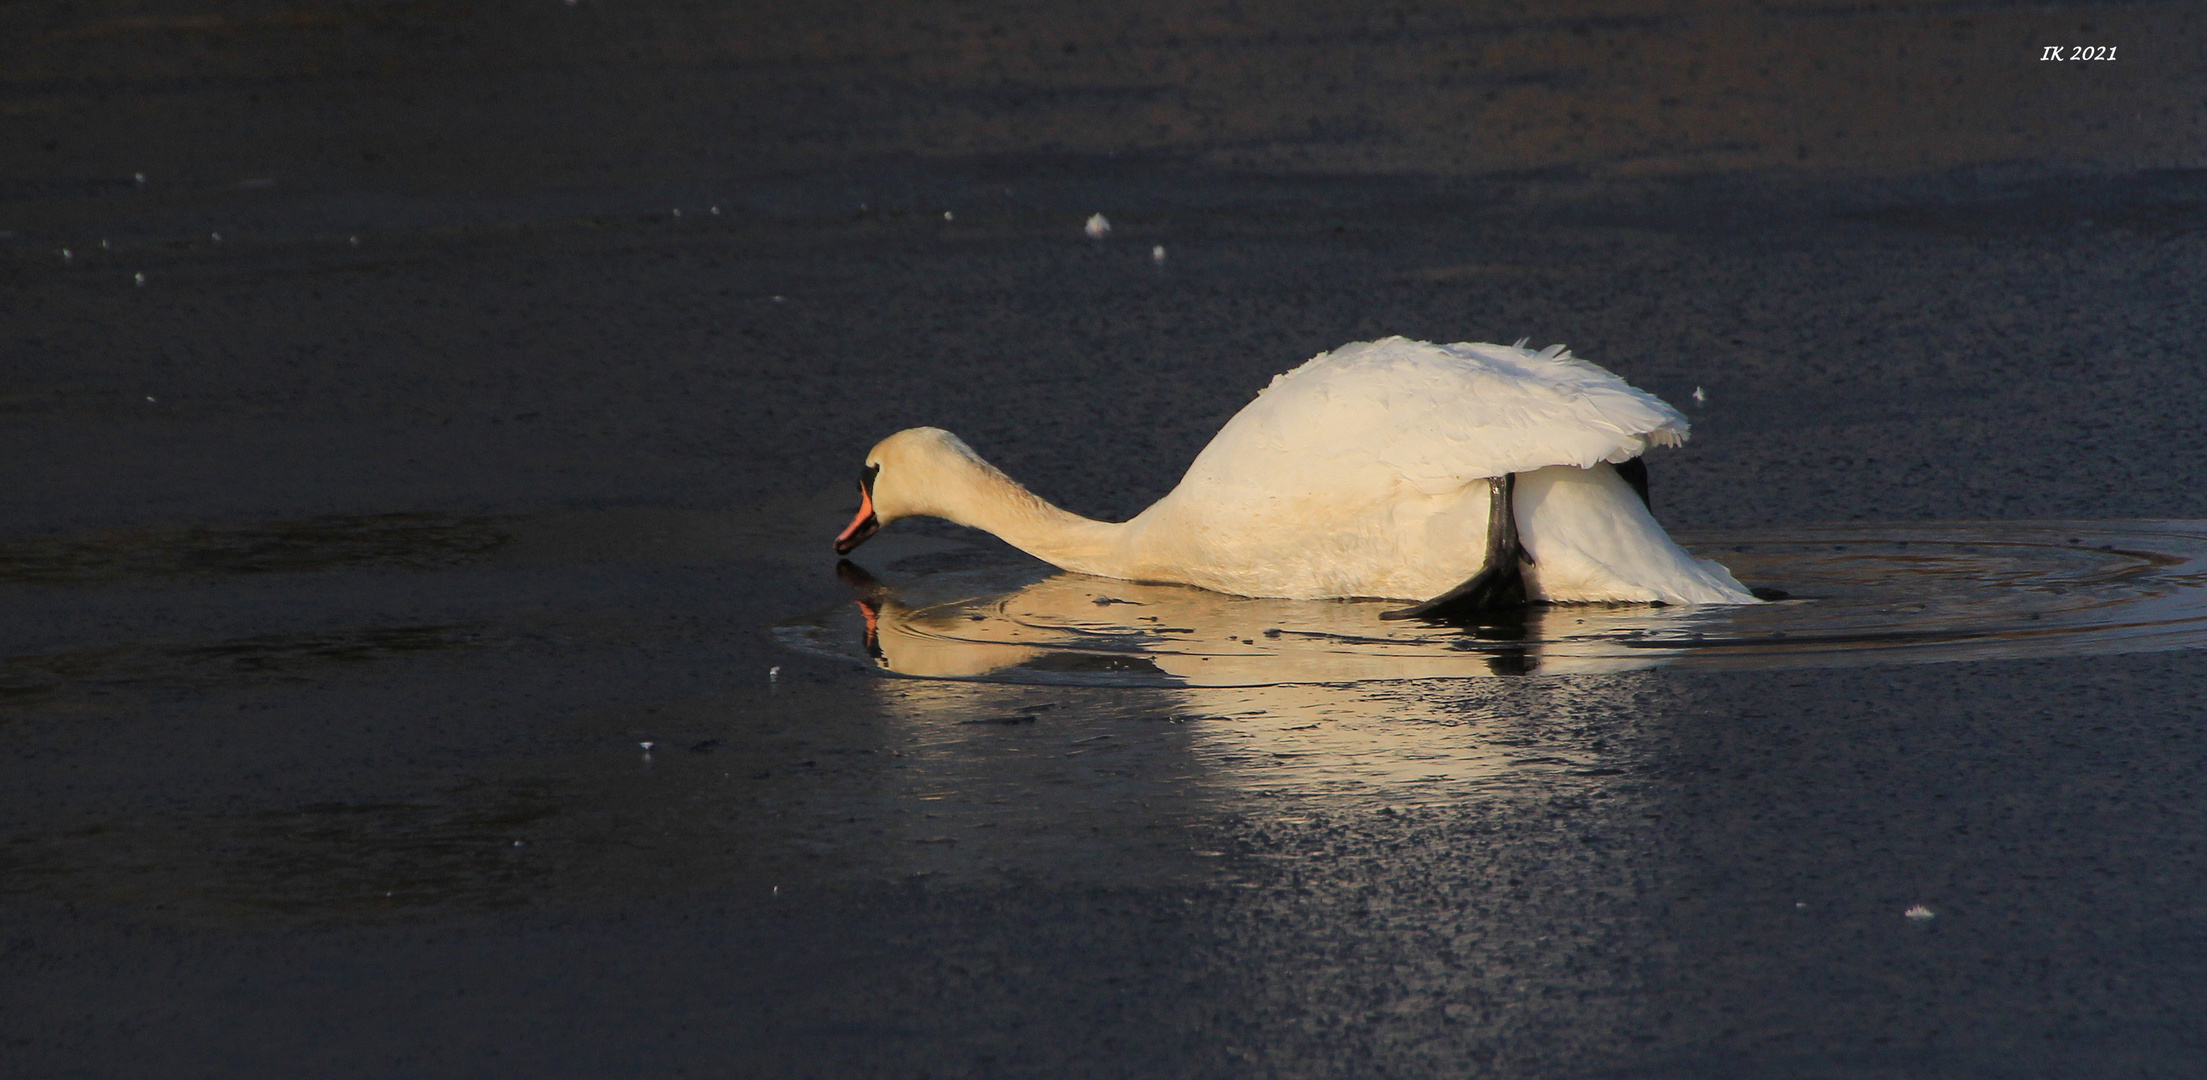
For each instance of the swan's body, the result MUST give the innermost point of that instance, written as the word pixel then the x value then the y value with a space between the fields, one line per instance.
pixel 1369 471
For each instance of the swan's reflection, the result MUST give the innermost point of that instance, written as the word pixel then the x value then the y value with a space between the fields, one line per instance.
pixel 1239 699
pixel 1866 594
pixel 1098 726
pixel 1074 629
pixel 975 745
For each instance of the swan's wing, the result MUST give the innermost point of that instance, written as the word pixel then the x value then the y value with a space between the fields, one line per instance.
pixel 1371 416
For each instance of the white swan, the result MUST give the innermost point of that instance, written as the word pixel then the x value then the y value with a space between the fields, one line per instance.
pixel 1372 470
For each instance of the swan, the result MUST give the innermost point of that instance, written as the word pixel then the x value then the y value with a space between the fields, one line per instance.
pixel 1465 477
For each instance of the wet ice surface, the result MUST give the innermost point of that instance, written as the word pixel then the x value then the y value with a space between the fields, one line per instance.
pixel 1859 594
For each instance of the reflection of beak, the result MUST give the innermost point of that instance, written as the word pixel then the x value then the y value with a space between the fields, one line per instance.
pixel 861 527
pixel 870 594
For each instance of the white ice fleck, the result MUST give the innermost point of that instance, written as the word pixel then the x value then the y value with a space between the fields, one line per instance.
pixel 1699 397
pixel 104 247
pixel 355 241
pixel 1800 905
pixel 141 278
pixel 149 397
pixel 948 216
pixel 1098 227
pixel 1918 913
pixel 716 209
pixel 678 211
pixel 66 256
pixel 774 672
pixel 777 299
pixel 1157 254
pixel 138 178
pixel 218 237
pixel 647 744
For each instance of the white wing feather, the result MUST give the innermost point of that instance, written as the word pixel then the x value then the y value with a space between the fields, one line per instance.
pixel 1370 416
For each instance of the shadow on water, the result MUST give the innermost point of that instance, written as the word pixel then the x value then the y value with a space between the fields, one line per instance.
pixel 1862 594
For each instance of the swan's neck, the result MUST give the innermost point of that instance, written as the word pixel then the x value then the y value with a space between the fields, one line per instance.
pixel 984 498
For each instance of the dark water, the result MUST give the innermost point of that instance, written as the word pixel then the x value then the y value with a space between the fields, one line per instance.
pixel 436 403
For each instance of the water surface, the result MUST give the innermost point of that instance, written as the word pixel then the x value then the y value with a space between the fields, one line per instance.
pixel 1858 594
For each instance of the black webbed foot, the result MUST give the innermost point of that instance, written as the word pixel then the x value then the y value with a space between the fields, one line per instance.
pixel 1496 589
pixel 1499 586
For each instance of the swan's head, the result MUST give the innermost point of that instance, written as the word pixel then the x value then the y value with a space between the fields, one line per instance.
pixel 913 473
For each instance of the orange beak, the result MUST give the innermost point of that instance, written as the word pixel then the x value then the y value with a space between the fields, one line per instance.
pixel 861 527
